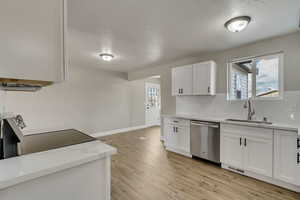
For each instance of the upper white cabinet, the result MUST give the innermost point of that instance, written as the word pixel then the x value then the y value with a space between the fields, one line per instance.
pixel 287 157
pixel 247 148
pixel 204 78
pixel 182 80
pixel 196 79
pixel 32 39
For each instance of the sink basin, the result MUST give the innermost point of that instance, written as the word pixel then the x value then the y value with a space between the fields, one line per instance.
pixel 249 121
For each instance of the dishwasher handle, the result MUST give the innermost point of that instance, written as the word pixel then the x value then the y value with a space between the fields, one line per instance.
pixel 207 124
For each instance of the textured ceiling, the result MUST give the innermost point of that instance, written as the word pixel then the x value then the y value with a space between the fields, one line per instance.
pixel 145 33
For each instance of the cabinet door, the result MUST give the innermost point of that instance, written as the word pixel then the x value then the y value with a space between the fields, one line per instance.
pixel 231 149
pixel 32 39
pixel 182 80
pixel 258 155
pixel 297 171
pixel 202 79
pixel 170 137
pixel 183 138
pixel 286 157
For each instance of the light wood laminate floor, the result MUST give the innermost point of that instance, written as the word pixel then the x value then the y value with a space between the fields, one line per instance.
pixel 144 170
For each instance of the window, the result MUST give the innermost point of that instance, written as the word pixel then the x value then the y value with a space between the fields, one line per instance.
pixel 153 97
pixel 258 77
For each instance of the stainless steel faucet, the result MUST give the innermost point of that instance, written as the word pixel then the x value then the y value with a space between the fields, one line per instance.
pixel 251 112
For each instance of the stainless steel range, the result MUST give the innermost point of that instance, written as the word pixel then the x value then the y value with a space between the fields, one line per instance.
pixel 14 143
pixel 52 140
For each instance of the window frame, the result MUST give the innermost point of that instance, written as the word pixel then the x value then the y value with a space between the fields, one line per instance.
pixel 279 55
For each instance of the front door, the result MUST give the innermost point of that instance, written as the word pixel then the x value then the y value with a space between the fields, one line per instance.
pixel 152 104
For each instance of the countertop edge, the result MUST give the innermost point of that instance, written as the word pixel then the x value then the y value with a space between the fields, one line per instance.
pixel 284 127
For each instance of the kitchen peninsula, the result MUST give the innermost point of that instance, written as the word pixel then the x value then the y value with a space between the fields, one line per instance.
pixel 72 172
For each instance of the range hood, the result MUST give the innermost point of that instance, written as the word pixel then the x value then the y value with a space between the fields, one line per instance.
pixel 9 84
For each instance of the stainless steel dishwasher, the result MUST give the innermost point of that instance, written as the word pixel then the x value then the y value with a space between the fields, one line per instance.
pixel 205 140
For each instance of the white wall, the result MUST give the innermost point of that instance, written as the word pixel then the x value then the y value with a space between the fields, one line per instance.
pixel 290 44
pixel 91 100
pixel 285 111
pixel 137 105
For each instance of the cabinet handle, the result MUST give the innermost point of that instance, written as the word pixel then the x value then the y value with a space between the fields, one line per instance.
pixel 240 141
pixel 176 129
pixel 298 158
pixel 245 142
pixel 208 89
pixel 298 143
pixel 181 90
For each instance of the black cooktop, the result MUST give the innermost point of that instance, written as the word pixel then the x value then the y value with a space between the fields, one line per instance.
pixel 52 140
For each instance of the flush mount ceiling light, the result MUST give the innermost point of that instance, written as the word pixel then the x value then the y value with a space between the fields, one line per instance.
pixel 106 56
pixel 237 24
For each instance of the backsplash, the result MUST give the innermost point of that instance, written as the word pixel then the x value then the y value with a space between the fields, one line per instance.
pixel 286 110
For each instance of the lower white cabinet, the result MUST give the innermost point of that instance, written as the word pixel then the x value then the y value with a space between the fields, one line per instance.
pixel 287 157
pixel 177 135
pixel 231 149
pixel 246 148
pixel 258 153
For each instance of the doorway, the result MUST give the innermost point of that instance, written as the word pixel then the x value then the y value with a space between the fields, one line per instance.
pixel 152 104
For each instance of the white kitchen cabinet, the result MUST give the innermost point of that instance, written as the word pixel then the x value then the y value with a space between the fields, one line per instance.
pixel 258 154
pixel 247 149
pixel 231 149
pixel 196 79
pixel 204 78
pixel 177 135
pixel 170 138
pixel 182 80
pixel 183 138
pixel 32 39
pixel 287 157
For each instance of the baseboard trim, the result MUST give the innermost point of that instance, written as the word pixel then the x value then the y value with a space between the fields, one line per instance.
pixel 116 131
pixel 270 180
pixel 179 151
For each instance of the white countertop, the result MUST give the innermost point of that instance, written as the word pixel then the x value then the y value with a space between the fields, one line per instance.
pixel 194 117
pixel 280 126
pixel 24 168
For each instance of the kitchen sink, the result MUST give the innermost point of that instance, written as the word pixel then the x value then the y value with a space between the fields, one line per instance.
pixel 249 121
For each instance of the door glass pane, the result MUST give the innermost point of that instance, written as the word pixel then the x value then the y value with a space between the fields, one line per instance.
pixel 267 77
pixel 241 80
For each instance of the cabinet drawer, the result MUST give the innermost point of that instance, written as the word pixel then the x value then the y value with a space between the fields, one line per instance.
pixel 177 121
pixel 247 130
